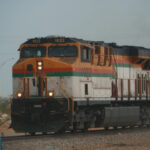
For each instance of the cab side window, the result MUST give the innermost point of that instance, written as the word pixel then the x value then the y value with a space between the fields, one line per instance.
pixel 85 54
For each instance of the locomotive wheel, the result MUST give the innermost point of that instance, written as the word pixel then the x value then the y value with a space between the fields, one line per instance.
pixel 141 126
pixel 74 127
pixel 85 127
pixel 44 133
pixel 32 133
pixel 61 131
pixel 123 127
pixel 106 128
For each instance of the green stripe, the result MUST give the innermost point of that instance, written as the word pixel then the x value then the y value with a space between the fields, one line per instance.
pixel 56 74
pixel 22 75
pixel 123 65
pixel 81 74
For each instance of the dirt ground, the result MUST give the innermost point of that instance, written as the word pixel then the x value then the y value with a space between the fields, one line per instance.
pixel 129 139
pixel 5 130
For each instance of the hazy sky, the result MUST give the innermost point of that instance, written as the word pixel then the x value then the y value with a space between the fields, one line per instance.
pixel 123 21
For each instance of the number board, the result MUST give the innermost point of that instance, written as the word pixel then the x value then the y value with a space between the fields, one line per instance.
pixel 59 40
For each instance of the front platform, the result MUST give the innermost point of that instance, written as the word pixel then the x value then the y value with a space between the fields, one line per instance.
pixel 39 115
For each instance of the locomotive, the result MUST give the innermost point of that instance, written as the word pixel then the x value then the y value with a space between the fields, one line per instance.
pixel 64 83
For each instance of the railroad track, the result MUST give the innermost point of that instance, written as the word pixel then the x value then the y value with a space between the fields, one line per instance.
pixel 70 134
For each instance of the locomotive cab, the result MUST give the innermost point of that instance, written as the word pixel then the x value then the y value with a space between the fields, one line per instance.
pixel 37 62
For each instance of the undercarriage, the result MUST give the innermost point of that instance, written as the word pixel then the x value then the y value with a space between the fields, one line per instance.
pixel 52 115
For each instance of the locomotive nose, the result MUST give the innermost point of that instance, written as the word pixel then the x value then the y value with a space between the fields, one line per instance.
pixel 35 66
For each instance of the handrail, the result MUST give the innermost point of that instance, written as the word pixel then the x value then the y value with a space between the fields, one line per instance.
pixel 141 88
pixel 65 94
pixel 19 85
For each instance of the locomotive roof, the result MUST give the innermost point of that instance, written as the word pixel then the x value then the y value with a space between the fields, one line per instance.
pixel 127 50
pixel 53 39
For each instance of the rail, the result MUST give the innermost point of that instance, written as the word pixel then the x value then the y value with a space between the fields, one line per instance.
pixel 90 131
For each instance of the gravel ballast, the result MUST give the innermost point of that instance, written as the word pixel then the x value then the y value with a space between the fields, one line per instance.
pixel 128 139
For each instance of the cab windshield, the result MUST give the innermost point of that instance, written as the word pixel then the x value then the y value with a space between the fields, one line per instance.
pixel 29 52
pixel 62 51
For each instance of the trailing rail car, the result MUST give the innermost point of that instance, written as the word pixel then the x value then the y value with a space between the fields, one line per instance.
pixel 62 83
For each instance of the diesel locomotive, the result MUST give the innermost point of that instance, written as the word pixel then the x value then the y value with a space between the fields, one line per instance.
pixel 63 83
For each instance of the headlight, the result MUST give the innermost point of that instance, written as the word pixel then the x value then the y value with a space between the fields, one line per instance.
pixel 51 93
pixel 39 65
pixel 19 94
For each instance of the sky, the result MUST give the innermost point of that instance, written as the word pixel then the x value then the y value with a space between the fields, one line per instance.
pixel 126 22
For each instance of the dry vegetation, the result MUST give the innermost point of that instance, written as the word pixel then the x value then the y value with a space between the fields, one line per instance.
pixel 4 109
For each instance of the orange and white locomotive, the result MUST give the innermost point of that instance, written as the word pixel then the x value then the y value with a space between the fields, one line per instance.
pixel 62 83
